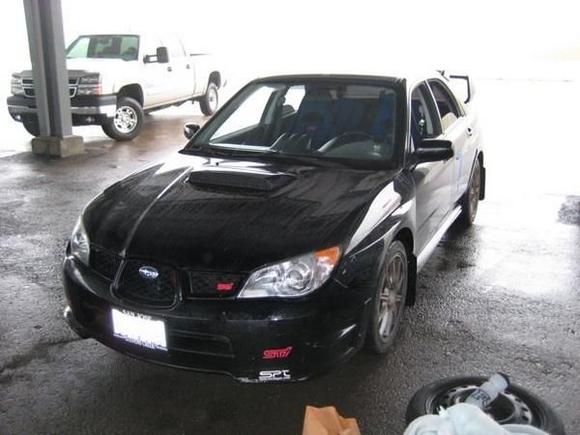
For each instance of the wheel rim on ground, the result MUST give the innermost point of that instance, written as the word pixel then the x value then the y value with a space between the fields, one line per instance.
pixel 507 408
pixel 391 296
pixel 125 119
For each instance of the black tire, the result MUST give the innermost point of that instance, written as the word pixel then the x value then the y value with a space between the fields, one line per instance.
pixel 121 128
pixel 376 340
pixel 428 399
pixel 210 101
pixel 470 199
pixel 31 126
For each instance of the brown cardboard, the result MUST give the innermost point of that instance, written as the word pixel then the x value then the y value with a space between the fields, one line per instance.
pixel 327 421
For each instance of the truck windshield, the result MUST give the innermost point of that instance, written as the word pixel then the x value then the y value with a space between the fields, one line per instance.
pixel 124 47
pixel 316 118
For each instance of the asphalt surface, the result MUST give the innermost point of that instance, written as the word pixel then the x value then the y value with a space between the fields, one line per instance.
pixel 502 296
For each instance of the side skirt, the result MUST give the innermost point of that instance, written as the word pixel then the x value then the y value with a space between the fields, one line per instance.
pixel 430 247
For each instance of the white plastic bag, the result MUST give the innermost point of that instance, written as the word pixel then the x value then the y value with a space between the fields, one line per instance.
pixel 465 419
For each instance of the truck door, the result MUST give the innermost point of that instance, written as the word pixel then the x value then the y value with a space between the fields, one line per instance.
pixel 181 69
pixel 156 79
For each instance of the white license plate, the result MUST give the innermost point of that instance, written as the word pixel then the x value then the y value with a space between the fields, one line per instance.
pixel 139 329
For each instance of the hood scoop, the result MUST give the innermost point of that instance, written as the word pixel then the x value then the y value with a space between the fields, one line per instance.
pixel 242 181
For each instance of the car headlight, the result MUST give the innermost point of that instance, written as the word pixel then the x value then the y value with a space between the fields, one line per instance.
pixel 292 278
pixel 16 86
pixel 89 85
pixel 79 242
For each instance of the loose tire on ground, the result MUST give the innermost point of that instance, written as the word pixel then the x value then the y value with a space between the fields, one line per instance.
pixel 210 101
pixel 127 122
pixel 388 305
pixel 429 398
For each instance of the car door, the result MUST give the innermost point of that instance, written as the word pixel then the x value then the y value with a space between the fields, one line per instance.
pixel 432 179
pixel 456 128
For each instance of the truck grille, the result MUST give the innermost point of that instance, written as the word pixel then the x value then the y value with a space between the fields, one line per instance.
pixel 28 86
pixel 104 262
pixel 160 291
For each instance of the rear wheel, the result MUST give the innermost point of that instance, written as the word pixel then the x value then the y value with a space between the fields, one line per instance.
pixel 127 122
pixel 31 126
pixel 389 301
pixel 470 199
pixel 209 102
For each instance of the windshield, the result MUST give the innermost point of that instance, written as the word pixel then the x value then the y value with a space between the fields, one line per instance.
pixel 124 47
pixel 326 119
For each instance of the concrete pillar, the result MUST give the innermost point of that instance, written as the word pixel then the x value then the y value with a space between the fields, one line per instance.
pixel 47 55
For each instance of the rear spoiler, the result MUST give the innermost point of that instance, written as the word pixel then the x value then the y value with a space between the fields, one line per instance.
pixel 462 85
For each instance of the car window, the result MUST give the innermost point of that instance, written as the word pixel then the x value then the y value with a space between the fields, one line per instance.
pixel 422 114
pixel 320 118
pixel 446 103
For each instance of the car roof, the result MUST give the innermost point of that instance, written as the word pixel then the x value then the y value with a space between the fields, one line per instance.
pixel 410 77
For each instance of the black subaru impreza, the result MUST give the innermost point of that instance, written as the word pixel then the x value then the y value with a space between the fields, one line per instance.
pixel 286 234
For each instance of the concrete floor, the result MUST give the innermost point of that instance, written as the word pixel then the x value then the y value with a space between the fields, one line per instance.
pixel 503 295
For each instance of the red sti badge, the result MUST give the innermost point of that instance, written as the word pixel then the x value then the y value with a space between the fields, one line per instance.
pixel 277 353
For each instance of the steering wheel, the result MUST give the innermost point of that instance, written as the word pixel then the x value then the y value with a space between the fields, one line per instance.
pixel 343 139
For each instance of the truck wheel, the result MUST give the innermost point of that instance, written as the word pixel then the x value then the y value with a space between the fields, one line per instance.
pixel 388 304
pixel 127 122
pixel 209 102
pixel 470 199
pixel 31 126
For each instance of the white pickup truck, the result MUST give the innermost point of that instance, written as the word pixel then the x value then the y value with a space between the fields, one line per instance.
pixel 115 79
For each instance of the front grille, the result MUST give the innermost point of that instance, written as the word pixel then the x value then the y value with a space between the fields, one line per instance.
pixel 210 284
pixel 104 262
pixel 28 85
pixel 160 291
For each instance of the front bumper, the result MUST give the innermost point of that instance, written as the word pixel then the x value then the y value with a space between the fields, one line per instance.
pixel 89 109
pixel 304 338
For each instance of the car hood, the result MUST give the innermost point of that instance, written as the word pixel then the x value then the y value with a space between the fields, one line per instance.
pixel 219 214
pixel 80 67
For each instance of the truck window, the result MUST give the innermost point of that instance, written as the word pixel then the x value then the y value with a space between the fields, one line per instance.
pixel 125 47
pixel 422 114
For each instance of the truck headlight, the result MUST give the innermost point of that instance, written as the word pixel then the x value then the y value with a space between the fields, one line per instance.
pixel 16 86
pixel 79 242
pixel 292 278
pixel 89 85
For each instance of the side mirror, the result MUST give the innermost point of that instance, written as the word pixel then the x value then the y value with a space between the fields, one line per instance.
pixel 162 55
pixel 434 150
pixel 190 129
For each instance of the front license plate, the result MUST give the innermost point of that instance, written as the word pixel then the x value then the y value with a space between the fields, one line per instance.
pixel 139 329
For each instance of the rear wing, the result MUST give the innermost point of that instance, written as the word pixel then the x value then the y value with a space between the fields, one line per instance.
pixel 462 85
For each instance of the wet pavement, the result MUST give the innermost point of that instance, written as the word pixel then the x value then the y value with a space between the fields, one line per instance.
pixel 503 295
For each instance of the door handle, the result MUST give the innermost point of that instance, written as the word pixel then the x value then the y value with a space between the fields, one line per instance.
pixel 469 131
pixel 187 66
pixel 169 69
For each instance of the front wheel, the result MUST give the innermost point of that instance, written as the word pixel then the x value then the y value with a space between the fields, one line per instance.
pixel 209 102
pixel 388 304
pixel 515 406
pixel 31 126
pixel 127 122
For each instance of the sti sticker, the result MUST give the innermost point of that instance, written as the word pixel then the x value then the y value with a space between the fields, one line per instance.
pixel 277 353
